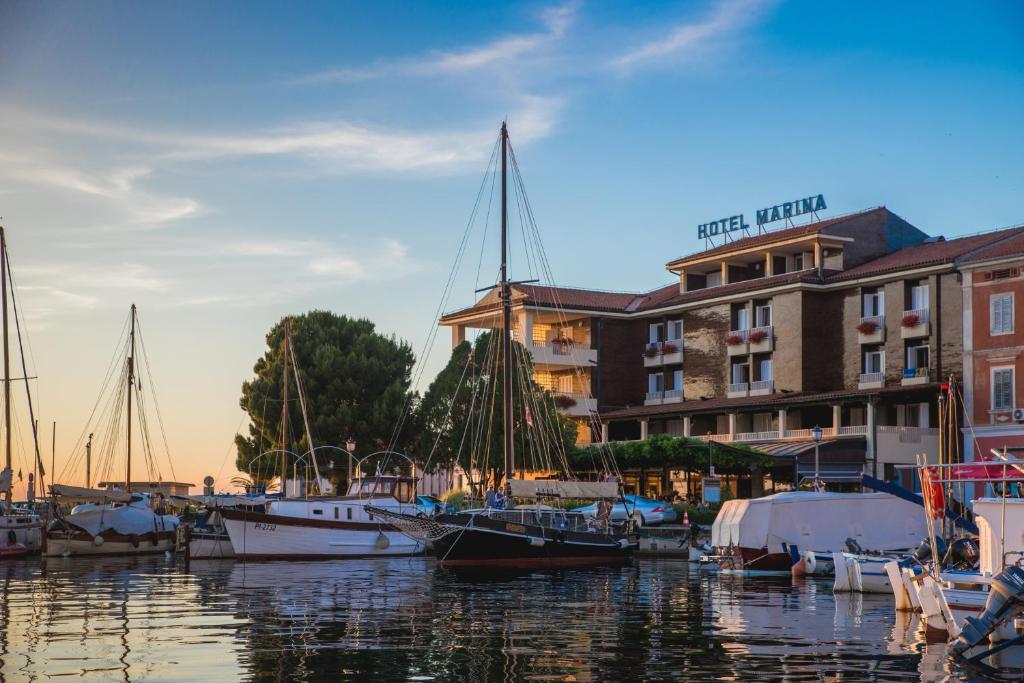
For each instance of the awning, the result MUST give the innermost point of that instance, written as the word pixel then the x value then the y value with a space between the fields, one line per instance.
pixel 789 448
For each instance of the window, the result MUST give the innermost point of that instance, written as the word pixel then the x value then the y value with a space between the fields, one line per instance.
pixel 565 384
pixel 874 361
pixel 675 330
pixel 919 297
pixel 1001 313
pixel 740 373
pixel 765 369
pixel 654 333
pixel 655 382
pixel 874 303
pixel 677 379
pixel 763 315
pixel 1002 388
pixel 742 319
pixel 798 262
pixel 348 513
pixel 336 512
pixel 318 511
pixel 917 357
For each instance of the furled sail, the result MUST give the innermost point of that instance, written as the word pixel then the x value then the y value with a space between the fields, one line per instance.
pixel 548 488
pixel 83 493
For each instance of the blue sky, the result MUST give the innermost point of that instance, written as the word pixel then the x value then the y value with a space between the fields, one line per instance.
pixel 223 164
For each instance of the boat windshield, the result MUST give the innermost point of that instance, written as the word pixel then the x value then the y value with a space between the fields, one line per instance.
pixel 403 489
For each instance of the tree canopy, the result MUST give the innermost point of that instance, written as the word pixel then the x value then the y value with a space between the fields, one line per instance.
pixel 356 383
pixel 662 450
pixel 460 416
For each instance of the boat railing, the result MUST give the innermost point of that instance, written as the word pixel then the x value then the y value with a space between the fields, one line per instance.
pixel 554 519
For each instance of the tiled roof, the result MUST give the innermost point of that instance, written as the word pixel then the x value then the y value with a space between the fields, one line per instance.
pixel 928 254
pixel 1009 246
pixel 776 236
pixel 779 399
pixel 563 297
pixel 678 297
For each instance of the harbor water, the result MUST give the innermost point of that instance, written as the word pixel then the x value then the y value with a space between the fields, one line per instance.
pixel 407 619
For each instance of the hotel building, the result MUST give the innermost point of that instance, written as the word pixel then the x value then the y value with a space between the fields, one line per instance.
pixel 848 324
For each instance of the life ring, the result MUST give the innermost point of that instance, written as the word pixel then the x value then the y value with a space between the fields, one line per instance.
pixel 12 537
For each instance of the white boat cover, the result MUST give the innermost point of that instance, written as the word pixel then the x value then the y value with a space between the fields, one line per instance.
pixel 83 493
pixel 125 519
pixel 819 521
pixel 547 488
pixel 995 541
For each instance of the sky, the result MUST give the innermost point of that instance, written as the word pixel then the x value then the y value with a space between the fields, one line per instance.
pixel 223 165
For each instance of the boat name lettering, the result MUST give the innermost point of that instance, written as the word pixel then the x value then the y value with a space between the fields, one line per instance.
pixel 518 528
pixel 262 526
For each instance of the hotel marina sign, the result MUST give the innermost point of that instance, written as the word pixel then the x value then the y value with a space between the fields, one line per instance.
pixel 783 211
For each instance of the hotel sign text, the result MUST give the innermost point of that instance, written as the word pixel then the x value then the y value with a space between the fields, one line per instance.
pixel 779 212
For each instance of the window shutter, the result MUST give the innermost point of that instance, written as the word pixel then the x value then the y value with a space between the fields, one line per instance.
pixel 997 315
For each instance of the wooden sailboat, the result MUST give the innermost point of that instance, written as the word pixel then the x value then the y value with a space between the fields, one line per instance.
pixel 115 521
pixel 20 528
pixel 530 536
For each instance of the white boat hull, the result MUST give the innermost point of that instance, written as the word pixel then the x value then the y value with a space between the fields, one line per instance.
pixel 24 529
pixel 60 547
pixel 253 539
pixel 898 586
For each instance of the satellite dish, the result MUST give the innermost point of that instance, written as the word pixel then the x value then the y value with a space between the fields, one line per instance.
pixel 207 480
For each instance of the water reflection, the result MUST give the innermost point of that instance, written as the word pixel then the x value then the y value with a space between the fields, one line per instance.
pixel 403 618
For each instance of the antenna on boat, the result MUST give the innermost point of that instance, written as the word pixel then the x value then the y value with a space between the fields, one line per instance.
pixel 131 385
pixel 506 315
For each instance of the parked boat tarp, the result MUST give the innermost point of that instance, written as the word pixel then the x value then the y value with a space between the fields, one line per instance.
pixel 870 482
pixel 6 479
pixel 547 488
pixel 126 519
pixel 819 521
pixel 83 493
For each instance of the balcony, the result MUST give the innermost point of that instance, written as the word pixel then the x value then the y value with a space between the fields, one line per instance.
pixel 912 376
pixel 871 329
pixel 761 339
pixel 871 380
pixel 563 353
pixel 915 323
pixel 739 390
pixel 663 353
pixel 672 396
pixel 654 398
pixel 576 405
pixel 762 388
pixel 737 342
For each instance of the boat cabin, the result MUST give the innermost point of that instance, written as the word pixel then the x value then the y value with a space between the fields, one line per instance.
pixel 403 489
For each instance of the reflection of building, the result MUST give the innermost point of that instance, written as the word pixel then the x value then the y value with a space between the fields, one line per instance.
pixel 848 324
pixel 993 280
pixel 167 488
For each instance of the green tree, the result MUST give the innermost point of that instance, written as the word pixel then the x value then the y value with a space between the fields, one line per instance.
pixel 355 381
pixel 460 417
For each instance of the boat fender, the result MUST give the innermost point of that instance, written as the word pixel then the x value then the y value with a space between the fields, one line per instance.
pixel 382 542
pixel 809 561
pixel 134 538
pixel 538 542
pixel 12 537
pixel 623 543
pixel 97 541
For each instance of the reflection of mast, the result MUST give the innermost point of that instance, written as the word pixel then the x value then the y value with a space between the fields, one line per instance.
pixel 131 383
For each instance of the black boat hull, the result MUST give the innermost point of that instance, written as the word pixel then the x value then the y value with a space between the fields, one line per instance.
pixel 485 542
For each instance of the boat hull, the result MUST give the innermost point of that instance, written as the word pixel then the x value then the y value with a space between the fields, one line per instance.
pixel 23 530
pixel 485 542
pixel 209 546
pixel 260 536
pixel 62 543
pixel 756 561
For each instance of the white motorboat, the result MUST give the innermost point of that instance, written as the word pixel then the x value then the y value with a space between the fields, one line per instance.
pixel 121 523
pixel 207 538
pixel 327 527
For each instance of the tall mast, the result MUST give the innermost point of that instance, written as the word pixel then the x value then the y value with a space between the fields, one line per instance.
pixel 131 387
pixel 284 408
pixel 506 312
pixel 7 362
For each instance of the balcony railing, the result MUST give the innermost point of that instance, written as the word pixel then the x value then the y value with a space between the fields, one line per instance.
pixel 742 335
pixel 920 313
pixel 908 434
pixel 655 395
pixel 872 377
pixel 764 386
pixel 672 394
pixel 738 387
pixel 760 335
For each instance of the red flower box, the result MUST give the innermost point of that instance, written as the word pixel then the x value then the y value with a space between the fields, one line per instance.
pixel 867 327
pixel 757 336
pixel 669 348
pixel 651 351
pixel 910 320
pixel 734 340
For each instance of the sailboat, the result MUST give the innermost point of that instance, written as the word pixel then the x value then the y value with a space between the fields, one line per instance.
pixel 118 520
pixel 320 527
pixel 534 534
pixel 20 527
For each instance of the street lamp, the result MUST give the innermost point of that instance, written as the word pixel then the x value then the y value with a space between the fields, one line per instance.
pixel 816 435
pixel 350 446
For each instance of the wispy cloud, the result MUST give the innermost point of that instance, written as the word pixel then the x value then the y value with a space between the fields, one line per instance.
pixel 272 248
pixel 556 21
pixel 690 38
pixel 378 261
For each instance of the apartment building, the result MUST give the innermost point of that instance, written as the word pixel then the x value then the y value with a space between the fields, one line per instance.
pixel 848 324
pixel 993 292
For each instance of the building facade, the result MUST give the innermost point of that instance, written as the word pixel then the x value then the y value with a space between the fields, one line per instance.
pixel 848 324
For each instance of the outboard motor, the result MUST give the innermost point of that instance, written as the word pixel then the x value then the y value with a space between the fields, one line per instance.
pixel 1005 599
pixel 963 554
pixel 923 553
